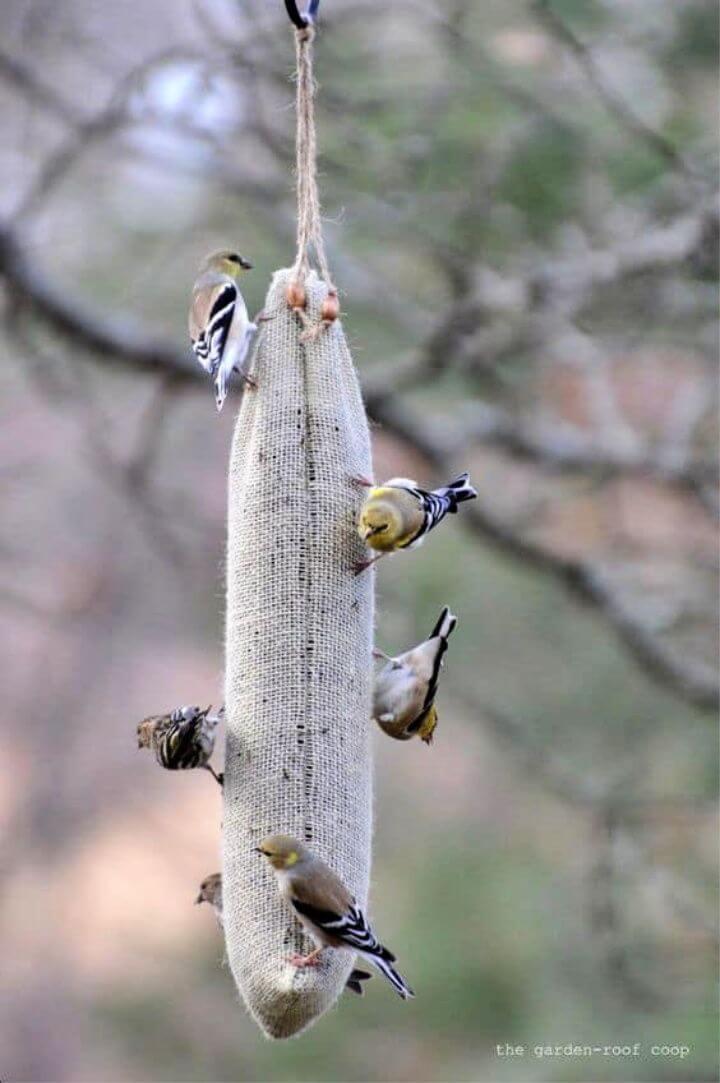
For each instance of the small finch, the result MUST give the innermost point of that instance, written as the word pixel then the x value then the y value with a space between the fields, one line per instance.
pixel 405 689
pixel 211 892
pixel 220 330
pixel 325 908
pixel 399 515
pixel 182 739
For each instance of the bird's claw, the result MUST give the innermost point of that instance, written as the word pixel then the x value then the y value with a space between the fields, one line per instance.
pixel 360 479
pixel 262 317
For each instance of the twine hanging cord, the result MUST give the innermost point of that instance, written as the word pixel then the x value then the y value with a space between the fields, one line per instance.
pixel 309 222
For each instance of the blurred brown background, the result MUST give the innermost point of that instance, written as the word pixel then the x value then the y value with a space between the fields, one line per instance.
pixel 521 211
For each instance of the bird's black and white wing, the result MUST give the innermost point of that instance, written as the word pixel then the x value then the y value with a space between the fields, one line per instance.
pixel 436 503
pixel 211 317
pixel 352 929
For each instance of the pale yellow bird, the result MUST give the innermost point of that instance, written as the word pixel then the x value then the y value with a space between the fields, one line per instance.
pixel 399 514
pixel 325 908
pixel 211 892
pixel 405 689
pixel 221 331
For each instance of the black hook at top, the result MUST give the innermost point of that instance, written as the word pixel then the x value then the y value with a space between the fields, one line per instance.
pixel 301 21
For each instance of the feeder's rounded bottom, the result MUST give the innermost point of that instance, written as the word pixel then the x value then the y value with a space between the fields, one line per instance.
pixel 294 1000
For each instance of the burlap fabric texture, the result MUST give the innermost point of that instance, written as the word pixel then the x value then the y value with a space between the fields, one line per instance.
pixel 298 655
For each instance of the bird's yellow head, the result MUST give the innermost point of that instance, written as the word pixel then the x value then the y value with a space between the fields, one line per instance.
pixel 226 262
pixel 380 523
pixel 210 889
pixel 145 731
pixel 282 851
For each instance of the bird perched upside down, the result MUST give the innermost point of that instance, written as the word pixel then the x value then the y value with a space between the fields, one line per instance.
pixel 220 330
pixel 325 908
pixel 211 892
pixel 405 689
pixel 182 739
pixel 399 515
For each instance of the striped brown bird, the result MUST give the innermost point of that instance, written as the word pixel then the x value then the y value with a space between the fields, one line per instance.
pixel 183 739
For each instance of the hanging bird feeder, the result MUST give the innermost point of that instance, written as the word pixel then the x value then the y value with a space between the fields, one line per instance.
pixel 299 621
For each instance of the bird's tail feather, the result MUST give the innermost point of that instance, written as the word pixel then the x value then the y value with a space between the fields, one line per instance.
pixel 445 625
pixel 457 491
pixel 383 960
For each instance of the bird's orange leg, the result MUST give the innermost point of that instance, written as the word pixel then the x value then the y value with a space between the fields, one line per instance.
pixel 302 961
pixel 360 479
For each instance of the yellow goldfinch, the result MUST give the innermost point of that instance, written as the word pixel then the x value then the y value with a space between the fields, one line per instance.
pixel 325 908
pixel 211 892
pixel 182 739
pixel 220 330
pixel 399 515
pixel 405 688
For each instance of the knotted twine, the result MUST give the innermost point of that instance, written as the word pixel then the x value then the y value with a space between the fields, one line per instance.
pixel 298 626
pixel 309 222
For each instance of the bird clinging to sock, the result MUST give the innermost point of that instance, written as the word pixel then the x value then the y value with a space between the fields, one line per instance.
pixel 405 688
pixel 399 514
pixel 325 908
pixel 220 330
pixel 182 739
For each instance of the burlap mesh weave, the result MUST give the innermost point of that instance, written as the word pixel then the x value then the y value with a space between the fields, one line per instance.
pixel 298 646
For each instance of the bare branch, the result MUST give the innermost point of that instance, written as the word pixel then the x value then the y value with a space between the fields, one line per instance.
pixel 16 73
pixel 565 448
pixel 612 101
pixel 119 340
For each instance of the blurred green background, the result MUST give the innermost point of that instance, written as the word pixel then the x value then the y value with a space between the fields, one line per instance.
pixel 521 212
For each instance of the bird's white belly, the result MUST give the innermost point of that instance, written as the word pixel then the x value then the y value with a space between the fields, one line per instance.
pixel 394 693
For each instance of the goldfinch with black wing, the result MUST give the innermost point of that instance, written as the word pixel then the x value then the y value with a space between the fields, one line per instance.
pixel 400 515
pixel 182 739
pixel 221 331
pixel 405 688
pixel 325 908
pixel 211 892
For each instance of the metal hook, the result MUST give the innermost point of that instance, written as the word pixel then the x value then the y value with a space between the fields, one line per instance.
pixel 302 21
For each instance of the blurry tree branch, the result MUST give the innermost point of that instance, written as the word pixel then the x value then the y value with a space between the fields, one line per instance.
pixel 612 101
pixel 564 448
pixel 19 75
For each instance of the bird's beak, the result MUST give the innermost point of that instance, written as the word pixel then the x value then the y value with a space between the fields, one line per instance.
pixel 256 850
pixel 246 265
pixel 199 899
